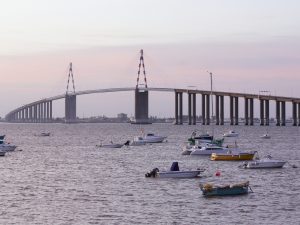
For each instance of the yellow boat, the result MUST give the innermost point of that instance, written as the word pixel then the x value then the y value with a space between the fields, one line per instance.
pixel 232 156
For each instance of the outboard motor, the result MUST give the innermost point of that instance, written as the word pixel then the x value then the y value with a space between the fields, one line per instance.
pixel 127 143
pixel 152 173
pixel 174 166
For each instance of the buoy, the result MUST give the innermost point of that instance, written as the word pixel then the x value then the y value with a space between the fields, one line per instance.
pixel 218 173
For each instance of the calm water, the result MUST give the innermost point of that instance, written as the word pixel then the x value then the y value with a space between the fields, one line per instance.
pixel 64 179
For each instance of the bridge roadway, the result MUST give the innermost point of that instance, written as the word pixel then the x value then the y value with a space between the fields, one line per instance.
pixel 41 110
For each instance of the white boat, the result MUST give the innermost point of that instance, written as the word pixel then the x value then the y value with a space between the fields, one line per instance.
pixel 231 133
pixel 137 141
pixel 265 136
pixel 7 147
pixel 209 149
pixel 151 138
pixel 111 145
pixel 187 149
pixel 266 162
pixel 174 172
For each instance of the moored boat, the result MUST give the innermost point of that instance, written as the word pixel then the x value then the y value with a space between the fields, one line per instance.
pixel 151 138
pixel 232 156
pixel 264 163
pixel 265 136
pixel 174 172
pixel 137 141
pixel 231 133
pixel 110 145
pixel 216 190
pixel 208 150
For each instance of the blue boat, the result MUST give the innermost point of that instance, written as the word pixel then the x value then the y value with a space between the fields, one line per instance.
pixel 235 189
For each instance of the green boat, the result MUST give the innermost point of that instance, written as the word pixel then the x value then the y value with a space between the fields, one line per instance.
pixel 225 190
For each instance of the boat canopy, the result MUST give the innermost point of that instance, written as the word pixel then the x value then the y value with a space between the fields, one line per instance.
pixel 174 166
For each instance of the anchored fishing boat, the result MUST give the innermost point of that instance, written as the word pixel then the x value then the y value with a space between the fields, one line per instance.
pixel 174 172
pixel 217 190
pixel 267 162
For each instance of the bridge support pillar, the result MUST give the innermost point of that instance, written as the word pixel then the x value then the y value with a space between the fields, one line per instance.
pixel 222 110
pixel 70 108
pixel 189 108
pixel 176 107
pixel 282 113
pixel 246 111
pixel 207 110
pixel 277 113
pixel 194 121
pixel 35 113
pixel 141 107
pixel 262 112
pixel 217 110
pixel 203 110
pixel 267 112
pixel 231 109
pixel 251 121
pixel 50 111
pixel 180 108
pixel 298 114
pixel 294 113
pixel 236 110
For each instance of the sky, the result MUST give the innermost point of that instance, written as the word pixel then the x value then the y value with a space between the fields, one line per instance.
pixel 249 46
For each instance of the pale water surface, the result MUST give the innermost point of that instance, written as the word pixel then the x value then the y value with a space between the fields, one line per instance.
pixel 65 179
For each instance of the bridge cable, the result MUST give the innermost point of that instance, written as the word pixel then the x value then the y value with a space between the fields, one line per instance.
pixel 70 75
pixel 139 71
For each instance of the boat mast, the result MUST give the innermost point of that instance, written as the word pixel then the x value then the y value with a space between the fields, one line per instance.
pixel 211 97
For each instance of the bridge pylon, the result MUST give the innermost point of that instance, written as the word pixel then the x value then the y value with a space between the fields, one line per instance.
pixel 70 100
pixel 141 96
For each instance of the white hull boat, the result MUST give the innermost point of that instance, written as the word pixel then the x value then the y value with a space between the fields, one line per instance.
pixel 151 138
pixel 109 145
pixel 174 172
pixel 7 147
pixel 231 133
pixel 179 174
pixel 264 163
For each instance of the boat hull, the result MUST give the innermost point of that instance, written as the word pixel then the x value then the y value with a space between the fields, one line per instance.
pixel 179 174
pixel 264 165
pixel 110 146
pixel 7 148
pixel 232 157
pixel 226 191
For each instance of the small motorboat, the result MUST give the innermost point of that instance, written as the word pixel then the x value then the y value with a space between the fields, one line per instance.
pixel 110 145
pixel 204 138
pixel 174 172
pixel 231 133
pixel 6 147
pixel 151 138
pixel 265 136
pixel 208 150
pixel 233 156
pixel 266 162
pixel 223 190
